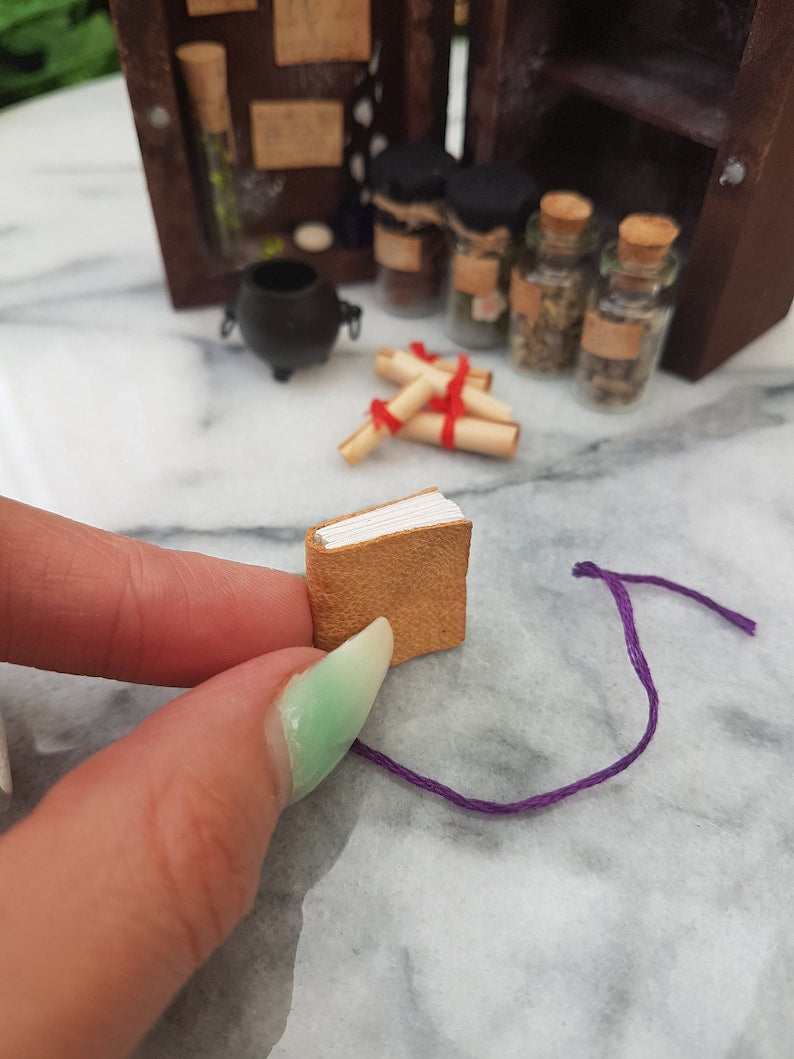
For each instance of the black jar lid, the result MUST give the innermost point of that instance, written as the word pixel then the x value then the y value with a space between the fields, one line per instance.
pixel 412 172
pixel 491 194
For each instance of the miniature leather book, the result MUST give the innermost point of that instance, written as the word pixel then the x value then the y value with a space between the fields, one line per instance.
pixel 406 560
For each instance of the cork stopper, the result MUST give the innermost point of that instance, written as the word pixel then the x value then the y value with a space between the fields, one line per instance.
pixel 203 65
pixel 564 213
pixel 646 238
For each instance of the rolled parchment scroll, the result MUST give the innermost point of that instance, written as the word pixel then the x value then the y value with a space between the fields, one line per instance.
pixel 476 402
pixel 397 371
pixel 405 403
pixel 472 435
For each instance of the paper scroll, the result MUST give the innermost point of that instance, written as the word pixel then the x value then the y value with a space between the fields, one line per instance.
pixel 406 366
pixel 397 371
pixel 484 436
pixel 402 407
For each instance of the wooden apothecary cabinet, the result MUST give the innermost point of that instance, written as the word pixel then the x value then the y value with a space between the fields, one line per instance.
pixel 680 106
pixel 401 90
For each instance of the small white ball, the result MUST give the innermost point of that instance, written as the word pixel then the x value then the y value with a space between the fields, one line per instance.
pixel 313 237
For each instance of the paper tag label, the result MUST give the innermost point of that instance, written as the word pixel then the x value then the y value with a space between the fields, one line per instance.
pixel 610 340
pixel 524 297
pixel 403 253
pixel 321 31
pixel 476 276
pixel 297 134
pixel 218 7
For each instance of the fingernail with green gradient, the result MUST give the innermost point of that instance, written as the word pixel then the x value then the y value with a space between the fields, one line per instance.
pixel 323 709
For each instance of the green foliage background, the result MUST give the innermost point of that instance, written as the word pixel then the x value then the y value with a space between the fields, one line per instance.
pixel 47 44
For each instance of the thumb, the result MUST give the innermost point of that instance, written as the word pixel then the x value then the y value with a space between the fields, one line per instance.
pixel 140 862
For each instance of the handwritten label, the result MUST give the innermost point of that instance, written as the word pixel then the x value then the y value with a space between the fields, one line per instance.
pixel 218 7
pixel 403 253
pixel 476 276
pixel 612 341
pixel 524 297
pixel 297 134
pixel 321 31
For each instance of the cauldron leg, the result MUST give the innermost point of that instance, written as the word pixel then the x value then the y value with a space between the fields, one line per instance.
pixel 282 374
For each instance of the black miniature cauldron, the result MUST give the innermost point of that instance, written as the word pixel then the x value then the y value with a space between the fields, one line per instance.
pixel 288 315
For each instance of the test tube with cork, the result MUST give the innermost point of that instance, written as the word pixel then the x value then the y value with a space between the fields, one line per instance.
pixel 203 65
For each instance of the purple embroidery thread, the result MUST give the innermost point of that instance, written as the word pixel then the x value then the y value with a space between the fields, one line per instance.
pixel 614 583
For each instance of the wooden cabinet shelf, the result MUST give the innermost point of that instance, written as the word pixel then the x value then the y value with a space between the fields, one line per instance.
pixel 647 107
pixel 683 93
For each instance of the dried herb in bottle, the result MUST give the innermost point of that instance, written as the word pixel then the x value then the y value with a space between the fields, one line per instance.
pixel 487 205
pixel 550 283
pixel 408 182
pixel 204 68
pixel 628 314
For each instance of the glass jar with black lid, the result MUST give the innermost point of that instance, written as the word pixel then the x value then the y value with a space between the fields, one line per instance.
pixel 487 207
pixel 408 183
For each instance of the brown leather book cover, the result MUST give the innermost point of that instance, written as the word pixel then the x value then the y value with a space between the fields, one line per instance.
pixel 415 577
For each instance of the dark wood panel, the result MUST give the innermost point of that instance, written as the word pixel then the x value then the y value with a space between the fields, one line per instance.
pixel 680 92
pixel 406 82
pixel 624 165
pixel 739 279
pixel 508 40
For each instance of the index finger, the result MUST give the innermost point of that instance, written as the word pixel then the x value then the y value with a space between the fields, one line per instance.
pixel 80 600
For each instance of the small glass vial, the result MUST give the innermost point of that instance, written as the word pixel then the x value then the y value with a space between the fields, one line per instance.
pixel 628 314
pixel 486 206
pixel 408 182
pixel 550 284
pixel 203 65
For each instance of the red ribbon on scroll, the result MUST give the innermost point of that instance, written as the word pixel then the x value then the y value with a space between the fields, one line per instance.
pixel 452 403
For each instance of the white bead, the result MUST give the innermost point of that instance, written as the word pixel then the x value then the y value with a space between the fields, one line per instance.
pixel 313 237
pixel 357 168
pixel 363 112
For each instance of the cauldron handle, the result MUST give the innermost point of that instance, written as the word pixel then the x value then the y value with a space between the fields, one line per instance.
pixel 351 315
pixel 229 321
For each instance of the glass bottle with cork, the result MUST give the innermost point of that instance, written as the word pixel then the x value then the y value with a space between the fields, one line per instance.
pixel 408 182
pixel 203 65
pixel 628 314
pixel 550 284
pixel 487 206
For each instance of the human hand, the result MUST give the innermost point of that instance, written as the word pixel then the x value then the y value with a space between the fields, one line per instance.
pixel 138 863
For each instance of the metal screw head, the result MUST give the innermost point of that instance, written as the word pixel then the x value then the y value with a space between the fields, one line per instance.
pixel 733 173
pixel 158 116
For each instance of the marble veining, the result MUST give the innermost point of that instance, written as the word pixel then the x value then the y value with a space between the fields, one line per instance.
pixel 648 917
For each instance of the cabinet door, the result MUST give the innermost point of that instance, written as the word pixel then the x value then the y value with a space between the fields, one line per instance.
pixel 739 276
pixel 404 86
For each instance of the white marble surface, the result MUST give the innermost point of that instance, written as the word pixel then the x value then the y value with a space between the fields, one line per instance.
pixel 648 917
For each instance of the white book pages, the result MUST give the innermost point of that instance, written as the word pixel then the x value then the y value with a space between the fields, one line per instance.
pixel 426 509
